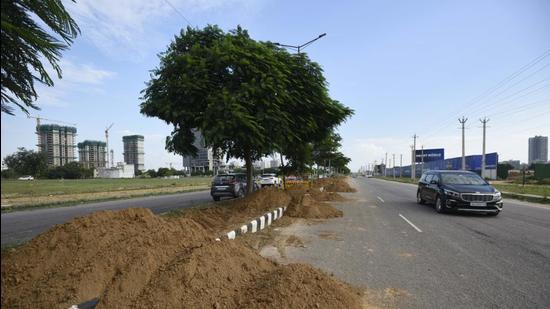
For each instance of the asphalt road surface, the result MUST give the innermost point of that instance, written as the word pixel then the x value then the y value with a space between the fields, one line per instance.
pixel 408 256
pixel 21 226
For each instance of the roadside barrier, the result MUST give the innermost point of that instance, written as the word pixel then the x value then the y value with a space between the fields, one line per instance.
pixel 255 225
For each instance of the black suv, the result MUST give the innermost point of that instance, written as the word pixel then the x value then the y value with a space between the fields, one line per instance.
pixel 458 191
pixel 228 185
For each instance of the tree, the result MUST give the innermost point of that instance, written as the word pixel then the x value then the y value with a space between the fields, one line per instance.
pixel 24 43
pixel 27 162
pixel 247 98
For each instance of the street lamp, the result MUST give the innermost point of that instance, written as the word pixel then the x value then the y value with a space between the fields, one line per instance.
pixel 300 47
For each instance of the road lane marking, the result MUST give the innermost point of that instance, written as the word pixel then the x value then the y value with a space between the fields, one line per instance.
pixel 380 199
pixel 409 222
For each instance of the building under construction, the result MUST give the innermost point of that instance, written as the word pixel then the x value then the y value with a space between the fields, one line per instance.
pixel 133 151
pixel 204 161
pixel 57 142
pixel 92 154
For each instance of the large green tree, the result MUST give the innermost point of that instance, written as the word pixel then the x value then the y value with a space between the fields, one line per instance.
pixel 247 98
pixel 25 44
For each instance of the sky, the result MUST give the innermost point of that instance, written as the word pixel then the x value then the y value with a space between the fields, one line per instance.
pixel 405 67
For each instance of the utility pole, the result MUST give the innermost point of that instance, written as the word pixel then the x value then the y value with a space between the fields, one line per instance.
pixel 400 165
pixel 374 169
pixel 422 166
pixel 393 155
pixel 107 144
pixel 462 122
pixel 483 163
pixel 386 165
pixel 413 163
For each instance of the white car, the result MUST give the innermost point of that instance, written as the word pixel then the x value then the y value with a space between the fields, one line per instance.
pixel 26 178
pixel 270 180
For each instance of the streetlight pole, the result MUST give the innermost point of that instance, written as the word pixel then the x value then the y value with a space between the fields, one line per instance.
pixel 302 46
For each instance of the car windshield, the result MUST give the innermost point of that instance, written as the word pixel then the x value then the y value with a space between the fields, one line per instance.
pixel 462 179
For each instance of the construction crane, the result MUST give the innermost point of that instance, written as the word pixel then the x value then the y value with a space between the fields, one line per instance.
pixel 38 118
pixel 107 144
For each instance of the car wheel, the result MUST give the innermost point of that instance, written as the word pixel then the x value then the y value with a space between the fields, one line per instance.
pixel 439 205
pixel 419 200
pixel 216 198
pixel 240 193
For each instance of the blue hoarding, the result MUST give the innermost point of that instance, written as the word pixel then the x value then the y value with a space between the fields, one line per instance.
pixel 430 155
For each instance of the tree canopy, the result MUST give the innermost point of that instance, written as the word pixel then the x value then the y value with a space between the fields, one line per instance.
pixel 248 98
pixel 24 43
pixel 26 162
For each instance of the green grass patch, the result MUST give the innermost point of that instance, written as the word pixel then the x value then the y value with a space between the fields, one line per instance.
pixel 47 187
pixel 542 190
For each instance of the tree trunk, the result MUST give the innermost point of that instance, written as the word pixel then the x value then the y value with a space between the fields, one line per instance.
pixel 283 169
pixel 249 171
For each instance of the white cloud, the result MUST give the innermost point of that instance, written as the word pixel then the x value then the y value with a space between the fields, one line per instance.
pixel 126 28
pixel 76 78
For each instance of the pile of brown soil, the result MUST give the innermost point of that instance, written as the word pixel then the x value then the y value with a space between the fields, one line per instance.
pixel 339 185
pixel 132 258
pixel 79 260
pixel 307 207
pixel 233 213
pixel 326 196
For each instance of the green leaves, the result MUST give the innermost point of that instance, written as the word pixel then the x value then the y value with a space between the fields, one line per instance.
pixel 248 98
pixel 24 42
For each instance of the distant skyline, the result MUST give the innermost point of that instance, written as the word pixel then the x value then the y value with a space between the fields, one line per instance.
pixel 405 67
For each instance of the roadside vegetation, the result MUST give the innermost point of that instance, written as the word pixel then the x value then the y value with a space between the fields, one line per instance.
pixel 18 194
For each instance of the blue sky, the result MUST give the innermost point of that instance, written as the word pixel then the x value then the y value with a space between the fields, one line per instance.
pixel 405 67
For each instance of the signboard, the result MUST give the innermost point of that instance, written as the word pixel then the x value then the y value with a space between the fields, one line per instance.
pixel 430 155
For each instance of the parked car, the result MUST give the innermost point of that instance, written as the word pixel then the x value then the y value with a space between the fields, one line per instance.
pixel 229 185
pixel 270 180
pixel 26 178
pixel 458 191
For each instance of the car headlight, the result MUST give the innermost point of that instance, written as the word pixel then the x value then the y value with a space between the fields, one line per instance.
pixel 497 195
pixel 451 193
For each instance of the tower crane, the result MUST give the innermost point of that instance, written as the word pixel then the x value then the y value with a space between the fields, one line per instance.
pixel 38 118
pixel 107 144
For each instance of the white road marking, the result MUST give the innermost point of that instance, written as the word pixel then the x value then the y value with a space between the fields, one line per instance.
pixel 380 199
pixel 409 222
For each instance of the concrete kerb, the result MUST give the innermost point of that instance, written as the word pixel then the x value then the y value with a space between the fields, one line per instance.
pixel 255 225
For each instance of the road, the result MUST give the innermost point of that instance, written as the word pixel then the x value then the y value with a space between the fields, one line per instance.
pixel 406 255
pixel 21 226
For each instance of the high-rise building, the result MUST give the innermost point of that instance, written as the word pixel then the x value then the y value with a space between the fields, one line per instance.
pixel 57 142
pixel 134 151
pixel 92 154
pixel 538 149
pixel 204 161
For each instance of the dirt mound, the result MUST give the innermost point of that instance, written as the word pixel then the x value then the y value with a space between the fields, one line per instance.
pixel 233 213
pixel 301 286
pixel 326 196
pixel 77 260
pixel 132 258
pixel 307 207
pixel 339 185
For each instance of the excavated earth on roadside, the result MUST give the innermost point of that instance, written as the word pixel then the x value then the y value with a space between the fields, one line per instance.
pixel 133 258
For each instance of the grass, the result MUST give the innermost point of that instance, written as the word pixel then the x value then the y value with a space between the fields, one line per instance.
pixel 542 190
pixel 18 195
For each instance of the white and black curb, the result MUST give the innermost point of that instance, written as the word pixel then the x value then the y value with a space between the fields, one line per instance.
pixel 255 225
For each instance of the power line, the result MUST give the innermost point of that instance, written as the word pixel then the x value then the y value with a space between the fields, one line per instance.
pixel 483 95
pixel 178 12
